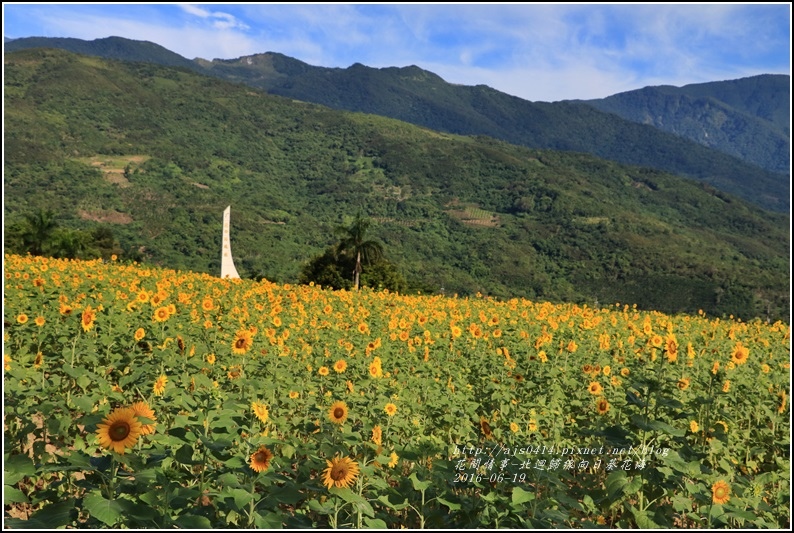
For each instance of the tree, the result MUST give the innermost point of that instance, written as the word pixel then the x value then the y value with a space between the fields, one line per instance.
pixel 354 244
pixel 38 231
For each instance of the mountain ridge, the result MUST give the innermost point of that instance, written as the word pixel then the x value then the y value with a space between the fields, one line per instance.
pixel 481 110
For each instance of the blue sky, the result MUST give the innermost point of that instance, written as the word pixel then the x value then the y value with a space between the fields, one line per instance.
pixel 539 52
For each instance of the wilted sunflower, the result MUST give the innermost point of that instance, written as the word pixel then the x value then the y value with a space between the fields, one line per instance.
pixel 242 342
pixel 486 428
pixel 602 406
pixel 159 385
pixel 119 430
pixel 377 435
pixel 341 472
pixel 142 409
pixel 595 388
pixel 338 412
pixel 390 409
pixel 720 492
pixel 783 401
pixel 260 459
pixel 260 410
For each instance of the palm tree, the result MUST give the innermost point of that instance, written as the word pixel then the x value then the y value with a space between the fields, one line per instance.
pixel 38 232
pixel 353 242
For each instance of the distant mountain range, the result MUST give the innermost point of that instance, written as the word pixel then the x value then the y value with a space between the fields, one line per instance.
pixel 731 135
pixel 748 118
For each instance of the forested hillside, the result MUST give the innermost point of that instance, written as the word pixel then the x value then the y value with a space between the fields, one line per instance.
pixel 156 154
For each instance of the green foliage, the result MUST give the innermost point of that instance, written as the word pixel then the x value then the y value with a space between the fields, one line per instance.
pixel 157 154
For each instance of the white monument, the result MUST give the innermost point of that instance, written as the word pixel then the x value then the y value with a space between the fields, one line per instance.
pixel 227 264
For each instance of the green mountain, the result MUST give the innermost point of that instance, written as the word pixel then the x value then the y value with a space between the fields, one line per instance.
pixel 157 153
pixel 109 47
pixel 746 118
pixel 423 98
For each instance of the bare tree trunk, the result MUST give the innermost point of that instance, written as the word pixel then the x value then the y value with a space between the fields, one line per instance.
pixel 357 270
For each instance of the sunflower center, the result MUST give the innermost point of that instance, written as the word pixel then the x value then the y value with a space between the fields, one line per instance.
pixel 119 431
pixel 240 343
pixel 339 412
pixel 338 473
pixel 261 457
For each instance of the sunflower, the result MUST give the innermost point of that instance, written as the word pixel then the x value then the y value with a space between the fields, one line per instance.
pixel 87 318
pixel 65 309
pixel 142 409
pixel 720 492
pixel 393 460
pixel 602 406
pixel 323 370
pixel 683 383
pixel 377 435
pixel 363 328
pixel 350 388
pixel 338 412
pixel 783 401
pixel 726 386
pixel 765 368
pixel 161 314
pixel 260 410
pixel 234 372
pixel 242 342
pixel 390 409
pixel 715 368
pixel 595 388
pixel 740 354
pixel 514 427
pixel 340 366
pixel 572 347
pixel 375 369
pixel 533 425
pixel 456 331
pixel 159 385
pixel 38 360
pixel 260 459
pixel 207 304
pixel 294 395
pixel 40 320
pixel 693 426
pixel 341 472
pixel 607 370
pixel 657 341
pixel 119 430
pixel 211 359
pixel 624 372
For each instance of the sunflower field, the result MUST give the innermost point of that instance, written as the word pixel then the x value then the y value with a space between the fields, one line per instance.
pixel 138 397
